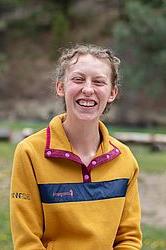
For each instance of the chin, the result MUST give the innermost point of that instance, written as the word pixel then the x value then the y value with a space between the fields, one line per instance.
pixel 87 117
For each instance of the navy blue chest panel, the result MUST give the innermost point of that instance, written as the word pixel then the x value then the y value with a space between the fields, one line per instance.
pixel 75 192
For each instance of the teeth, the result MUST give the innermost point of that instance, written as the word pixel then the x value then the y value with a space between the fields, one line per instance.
pixel 86 103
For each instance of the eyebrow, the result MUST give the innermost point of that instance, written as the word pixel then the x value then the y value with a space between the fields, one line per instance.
pixel 78 72
pixel 82 74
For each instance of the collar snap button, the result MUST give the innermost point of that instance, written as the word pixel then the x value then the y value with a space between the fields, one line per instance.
pixel 48 153
pixel 67 155
pixel 86 177
pixel 94 163
pixel 107 156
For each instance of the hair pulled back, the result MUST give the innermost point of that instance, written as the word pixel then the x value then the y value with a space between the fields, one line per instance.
pixel 99 52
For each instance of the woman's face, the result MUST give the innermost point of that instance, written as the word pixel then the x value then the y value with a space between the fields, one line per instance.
pixel 87 87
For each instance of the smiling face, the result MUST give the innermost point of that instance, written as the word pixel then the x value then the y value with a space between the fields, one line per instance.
pixel 87 87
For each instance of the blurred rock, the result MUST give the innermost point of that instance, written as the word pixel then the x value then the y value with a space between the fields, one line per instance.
pixel 5 134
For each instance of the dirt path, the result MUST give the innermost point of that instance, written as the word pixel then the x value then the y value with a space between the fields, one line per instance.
pixel 153 199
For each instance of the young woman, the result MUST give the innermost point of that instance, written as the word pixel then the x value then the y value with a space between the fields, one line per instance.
pixel 73 185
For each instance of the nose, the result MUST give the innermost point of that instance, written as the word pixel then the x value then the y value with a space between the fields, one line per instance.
pixel 87 89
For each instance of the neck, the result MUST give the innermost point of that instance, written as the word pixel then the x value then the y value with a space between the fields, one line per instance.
pixel 84 136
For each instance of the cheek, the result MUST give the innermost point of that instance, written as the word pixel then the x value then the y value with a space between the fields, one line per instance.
pixel 70 94
pixel 71 89
pixel 105 94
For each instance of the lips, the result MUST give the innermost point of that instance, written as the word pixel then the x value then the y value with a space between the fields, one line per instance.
pixel 86 103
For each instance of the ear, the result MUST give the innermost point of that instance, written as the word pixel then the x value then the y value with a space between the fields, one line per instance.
pixel 113 94
pixel 60 88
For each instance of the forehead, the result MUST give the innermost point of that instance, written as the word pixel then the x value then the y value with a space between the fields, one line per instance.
pixel 89 64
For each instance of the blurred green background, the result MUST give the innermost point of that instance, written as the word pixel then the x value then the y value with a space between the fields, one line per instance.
pixel 32 33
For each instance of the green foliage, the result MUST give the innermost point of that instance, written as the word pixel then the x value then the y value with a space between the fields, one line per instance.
pixel 3 63
pixel 146 24
pixel 52 16
pixel 141 40
pixel 154 3
pixel 3 25
pixel 60 31
pixel 12 2
pixel 29 25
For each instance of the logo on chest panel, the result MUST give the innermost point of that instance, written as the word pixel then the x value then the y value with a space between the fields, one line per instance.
pixel 62 194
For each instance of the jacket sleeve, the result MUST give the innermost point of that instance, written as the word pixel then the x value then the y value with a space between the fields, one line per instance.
pixel 25 206
pixel 129 235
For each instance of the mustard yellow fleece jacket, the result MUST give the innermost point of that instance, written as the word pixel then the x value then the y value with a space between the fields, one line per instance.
pixel 58 203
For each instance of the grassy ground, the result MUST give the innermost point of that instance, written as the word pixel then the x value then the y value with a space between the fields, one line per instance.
pixel 6 153
pixel 149 161
pixel 15 125
pixel 5 235
pixel 153 238
pixel 149 129
pixel 36 124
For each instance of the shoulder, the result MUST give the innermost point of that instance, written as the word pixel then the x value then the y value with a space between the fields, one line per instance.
pixel 123 147
pixel 126 153
pixel 34 142
pixel 126 157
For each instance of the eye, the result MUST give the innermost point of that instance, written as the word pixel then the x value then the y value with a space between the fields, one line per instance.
pixel 99 82
pixel 77 79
